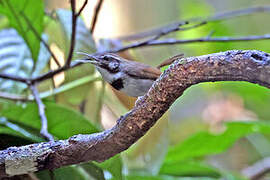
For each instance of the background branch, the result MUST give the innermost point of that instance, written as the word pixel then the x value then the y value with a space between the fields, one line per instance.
pixel 164 32
pixel 41 109
pixel 257 170
pixel 74 26
pixel 172 41
pixel 63 88
pixel 251 65
pixel 215 17
pixel 95 17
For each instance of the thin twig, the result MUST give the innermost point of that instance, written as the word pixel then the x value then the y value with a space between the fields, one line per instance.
pixel 216 17
pixel 50 74
pixel 40 39
pixel 257 170
pixel 73 32
pixel 95 17
pixel 74 27
pixel 207 39
pixel 81 9
pixel 162 33
pixel 15 78
pixel 42 95
pixel 41 109
pixel 13 97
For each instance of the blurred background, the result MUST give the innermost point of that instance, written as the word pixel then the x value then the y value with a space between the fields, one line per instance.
pixel 214 131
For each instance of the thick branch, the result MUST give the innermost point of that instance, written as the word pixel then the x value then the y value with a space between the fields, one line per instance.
pixel 252 66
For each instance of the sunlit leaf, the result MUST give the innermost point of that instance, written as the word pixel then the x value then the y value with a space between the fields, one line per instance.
pixel 33 10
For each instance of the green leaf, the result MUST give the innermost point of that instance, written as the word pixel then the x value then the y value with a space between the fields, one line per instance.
pixel 189 168
pixel 15 59
pixel 160 177
pixel 114 166
pixel 16 11
pixel 93 170
pixel 6 130
pixel 205 143
pixel 75 172
pixel 62 122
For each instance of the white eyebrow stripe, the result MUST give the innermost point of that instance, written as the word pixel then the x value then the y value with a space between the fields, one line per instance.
pixel 111 56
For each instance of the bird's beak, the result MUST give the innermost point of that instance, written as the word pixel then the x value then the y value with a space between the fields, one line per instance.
pixel 89 59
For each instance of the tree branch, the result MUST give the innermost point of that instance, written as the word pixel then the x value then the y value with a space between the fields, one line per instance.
pixel 257 170
pixel 81 9
pixel 250 65
pixel 172 41
pixel 62 88
pixel 215 17
pixel 73 27
pixel 73 32
pixel 15 78
pixel 13 97
pixel 41 109
pixel 95 17
pixel 164 32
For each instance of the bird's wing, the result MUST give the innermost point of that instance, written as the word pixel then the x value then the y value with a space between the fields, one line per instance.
pixel 142 71
pixel 170 60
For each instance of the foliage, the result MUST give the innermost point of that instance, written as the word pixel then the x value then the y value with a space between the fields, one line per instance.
pixel 19 13
pixel 22 54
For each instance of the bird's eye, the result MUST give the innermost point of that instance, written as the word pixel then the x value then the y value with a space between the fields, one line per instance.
pixel 114 66
pixel 106 58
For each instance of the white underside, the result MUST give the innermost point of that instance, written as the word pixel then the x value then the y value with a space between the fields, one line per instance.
pixel 132 87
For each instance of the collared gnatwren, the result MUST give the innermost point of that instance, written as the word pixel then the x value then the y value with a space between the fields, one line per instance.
pixel 130 77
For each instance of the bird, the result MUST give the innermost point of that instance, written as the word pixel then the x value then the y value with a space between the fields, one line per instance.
pixel 132 78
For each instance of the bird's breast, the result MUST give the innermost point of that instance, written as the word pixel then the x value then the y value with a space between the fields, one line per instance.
pixel 136 87
pixel 129 85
